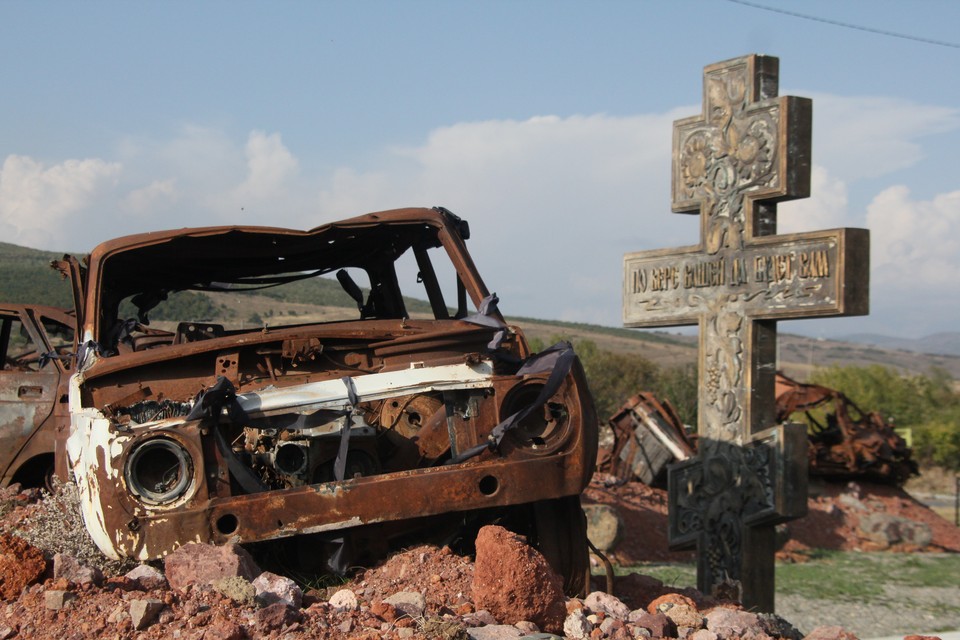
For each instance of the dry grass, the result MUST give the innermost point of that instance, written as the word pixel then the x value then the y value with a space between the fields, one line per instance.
pixel 55 525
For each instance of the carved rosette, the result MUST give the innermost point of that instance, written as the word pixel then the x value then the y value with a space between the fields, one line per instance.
pixel 734 151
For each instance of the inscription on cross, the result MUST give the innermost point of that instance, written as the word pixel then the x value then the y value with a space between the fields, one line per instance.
pixel 747 151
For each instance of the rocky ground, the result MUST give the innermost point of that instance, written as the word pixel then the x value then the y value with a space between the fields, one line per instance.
pixel 507 591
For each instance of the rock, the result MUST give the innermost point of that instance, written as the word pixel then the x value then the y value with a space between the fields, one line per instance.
pixel 526 627
pixel 7 632
pixel 57 599
pixel 196 563
pixel 21 564
pixel 224 630
pixel 410 603
pixel 600 602
pixel 658 624
pixel 825 632
pixel 238 589
pixel 121 582
pixel 851 502
pixel 495 632
pixel 271 588
pixel 658 604
pixel 385 612
pixel 683 615
pixel 276 616
pixel 604 526
pixel 515 582
pixel 577 626
pixel 479 618
pixel 69 568
pixel 774 625
pixel 887 530
pixel 144 612
pixel 609 626
pixel 344 600
pixel 732 623
pixel 702 634
pixel 146 577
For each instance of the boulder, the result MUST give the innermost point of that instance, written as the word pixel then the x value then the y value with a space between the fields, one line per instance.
pixel 21 564
pixel 600 602
pixel 69 568
pixel 515 582
pixel 409 603
pixel 271 588
pixel 146 577
pixel 887 530
pixel 604 526
pixel 144 612
pixel 197 563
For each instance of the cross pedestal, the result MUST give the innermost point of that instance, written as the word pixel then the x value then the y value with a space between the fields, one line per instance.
pixel 747 151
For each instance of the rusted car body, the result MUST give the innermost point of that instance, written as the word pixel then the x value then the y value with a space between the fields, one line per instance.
pixel 845 441
pixel 355 432
pixel 35 346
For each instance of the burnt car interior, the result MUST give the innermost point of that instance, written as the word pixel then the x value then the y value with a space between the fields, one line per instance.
pixel 372 257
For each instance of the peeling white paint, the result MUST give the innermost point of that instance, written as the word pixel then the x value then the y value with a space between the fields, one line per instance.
pixel 332 394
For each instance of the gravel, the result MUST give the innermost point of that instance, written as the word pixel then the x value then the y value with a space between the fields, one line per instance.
pixel 900 611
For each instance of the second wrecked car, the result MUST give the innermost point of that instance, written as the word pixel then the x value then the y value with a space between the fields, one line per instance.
pixel 346 436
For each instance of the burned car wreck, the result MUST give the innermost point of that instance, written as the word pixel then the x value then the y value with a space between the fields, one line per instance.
pixel 343 436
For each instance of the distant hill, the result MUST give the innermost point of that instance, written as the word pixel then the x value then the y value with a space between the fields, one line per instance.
pixel 26 277
pixel 939 343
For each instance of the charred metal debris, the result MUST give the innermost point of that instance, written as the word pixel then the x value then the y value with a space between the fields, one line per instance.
pixel 845 442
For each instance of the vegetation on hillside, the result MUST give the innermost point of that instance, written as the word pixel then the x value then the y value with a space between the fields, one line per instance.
pixel 27 278
pixel 614 377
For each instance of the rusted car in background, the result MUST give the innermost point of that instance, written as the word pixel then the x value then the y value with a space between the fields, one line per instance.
pixel 35 349
pixel 845 441
pixel 345 436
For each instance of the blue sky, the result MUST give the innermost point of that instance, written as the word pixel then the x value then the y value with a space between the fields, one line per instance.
pixel 545 124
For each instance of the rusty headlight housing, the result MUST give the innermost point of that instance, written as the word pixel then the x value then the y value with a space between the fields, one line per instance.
pixel 545 430
pixel 159 470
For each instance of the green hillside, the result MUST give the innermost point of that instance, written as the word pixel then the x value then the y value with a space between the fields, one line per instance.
pixel 26 277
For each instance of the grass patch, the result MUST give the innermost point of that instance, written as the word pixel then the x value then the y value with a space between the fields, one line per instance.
pixel 835 575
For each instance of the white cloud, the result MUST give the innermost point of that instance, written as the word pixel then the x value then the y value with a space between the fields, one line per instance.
pixel 916 243
pixel 156 195
pixel 269 166
pixel 36 200
pixel 868 137
pixel 826 207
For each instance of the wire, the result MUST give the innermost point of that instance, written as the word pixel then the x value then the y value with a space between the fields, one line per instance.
pixel 847 25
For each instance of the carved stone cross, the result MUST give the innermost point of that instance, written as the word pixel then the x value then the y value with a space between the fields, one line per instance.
pixel 747 151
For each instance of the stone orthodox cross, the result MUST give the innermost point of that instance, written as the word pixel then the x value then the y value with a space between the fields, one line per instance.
pixel 747 151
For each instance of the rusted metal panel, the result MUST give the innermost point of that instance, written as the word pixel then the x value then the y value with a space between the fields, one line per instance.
pixel 647 436
pixel 217 432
